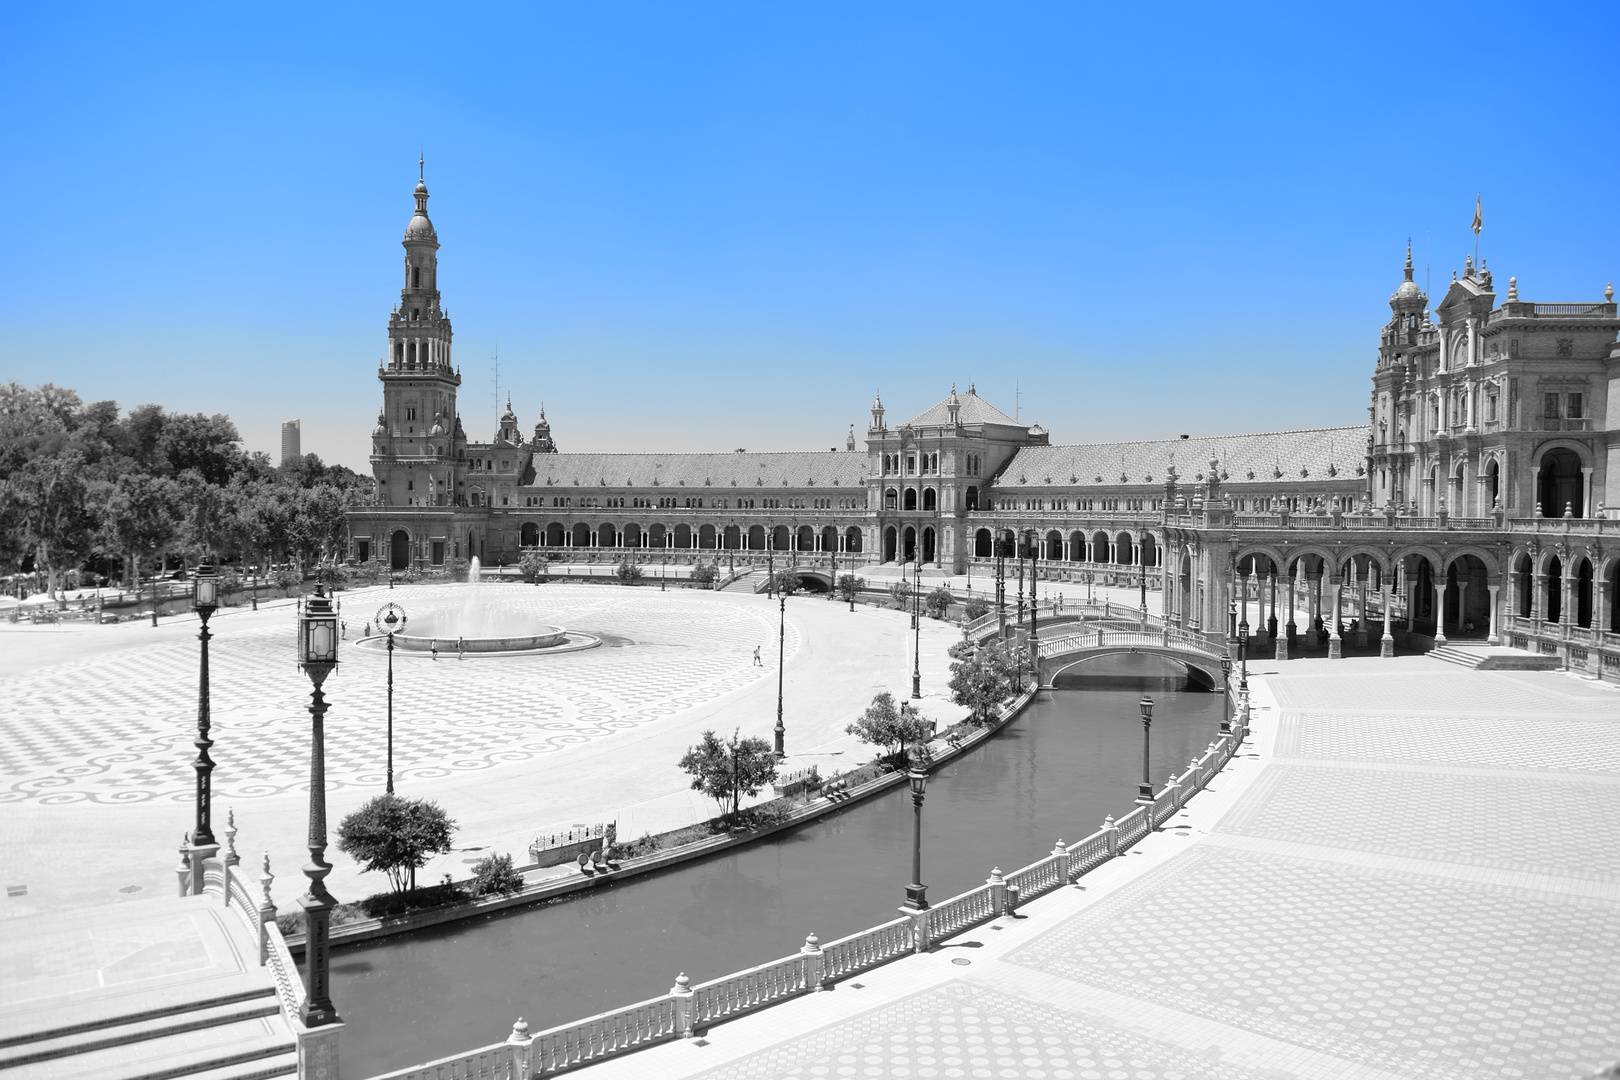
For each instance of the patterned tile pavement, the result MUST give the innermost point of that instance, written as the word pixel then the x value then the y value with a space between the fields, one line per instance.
pixel 958 1029
pixel 1583 745
pixel 136 709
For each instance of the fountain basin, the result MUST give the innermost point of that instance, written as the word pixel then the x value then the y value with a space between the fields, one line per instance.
pixel 548 637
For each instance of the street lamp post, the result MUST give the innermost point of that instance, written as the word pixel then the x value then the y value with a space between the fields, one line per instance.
pixel 204 599
pixel 1243 655
pixel 254 578
pixel 318 656
pixel 916 636
pixel 1144 793
pixel 781 664
pixel 916 892
pixel 1226 692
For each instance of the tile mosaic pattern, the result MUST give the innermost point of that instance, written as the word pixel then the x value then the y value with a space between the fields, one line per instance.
pixel 1421 976
pixel 961 1030
pixel 118 728
pixel 1562 743
pixel 1442 817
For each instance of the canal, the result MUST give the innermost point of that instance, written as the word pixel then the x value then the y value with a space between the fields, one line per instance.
pixel 1071 758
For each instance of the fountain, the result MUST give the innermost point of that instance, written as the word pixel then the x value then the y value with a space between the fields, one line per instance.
pixel 484 624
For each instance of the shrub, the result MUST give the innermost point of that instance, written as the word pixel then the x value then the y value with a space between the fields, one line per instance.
pixel 332 575
pixel 788 581
pixel 534 568
pixel 850 586
pixel 629 572
pixel 287 579
pixel 900 594
pixel 977 607
pixel 704 574
pixel 938 602
pixel 495 874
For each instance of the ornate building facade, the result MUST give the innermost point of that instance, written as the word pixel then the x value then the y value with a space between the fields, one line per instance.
pixel 1483 466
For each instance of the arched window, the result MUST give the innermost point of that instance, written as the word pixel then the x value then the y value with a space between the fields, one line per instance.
pixel 911 498
pixel 416 277
pixel 929 497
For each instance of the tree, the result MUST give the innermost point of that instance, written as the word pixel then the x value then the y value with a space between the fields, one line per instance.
pixel 977 607
pixel 983 677
pixel 900 594
pixel 849 587
pixel 788 581
pixel 938 602
pixel 137 519
pixel 726 771
pixel 533 565
pixel 704 574
pixel 396 836
pixel 890 728
pixel 629 572
pixel 47 500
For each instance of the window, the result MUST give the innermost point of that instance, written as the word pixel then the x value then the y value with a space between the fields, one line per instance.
pixel 1574 407
pixel 416 277
pixel 1490 407
pixel 1549 405
pixel 410 485
pixel 410 412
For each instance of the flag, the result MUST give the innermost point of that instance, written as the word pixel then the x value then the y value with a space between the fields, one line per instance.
pixel 1479 215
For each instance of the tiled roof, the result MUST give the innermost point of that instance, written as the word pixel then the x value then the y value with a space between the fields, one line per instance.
pixel 975 410
pixel 1310 456
pixel 793 469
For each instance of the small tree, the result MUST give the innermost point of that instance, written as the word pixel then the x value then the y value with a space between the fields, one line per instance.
pixel 849 587
pixel 977 607
pixel 891 728
pixel 287 579
pixel 788 581
pixel 726 771
pixel 495 874
pixel 982 678
pixel 332 575
pixel 629 572
pixel 534 568
pixel 704 574
pixel 938 602
pixel 900 594
pixel 396 835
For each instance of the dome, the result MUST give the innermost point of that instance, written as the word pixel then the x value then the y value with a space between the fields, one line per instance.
pixel 381 428
pixel 1408 298
pixel 420 228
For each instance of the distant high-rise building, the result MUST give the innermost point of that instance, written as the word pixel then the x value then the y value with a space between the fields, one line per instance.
pixel 290 450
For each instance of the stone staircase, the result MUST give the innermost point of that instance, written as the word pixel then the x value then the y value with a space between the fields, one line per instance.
pixel 232 1034
pixel 1494 658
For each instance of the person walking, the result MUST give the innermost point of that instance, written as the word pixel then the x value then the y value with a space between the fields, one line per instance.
pixel 756 657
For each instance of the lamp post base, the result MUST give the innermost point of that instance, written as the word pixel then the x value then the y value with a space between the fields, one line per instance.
pixel 916 898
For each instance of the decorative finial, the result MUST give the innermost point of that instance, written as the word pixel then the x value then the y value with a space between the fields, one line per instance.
pixel 1408 258
pixel 421 167
pixel 1608 291
pixel 1513 288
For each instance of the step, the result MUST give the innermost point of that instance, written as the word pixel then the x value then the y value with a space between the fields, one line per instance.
pixel 1456 656
pixel 95 1015
pixel 263 1069
pixel 139 1029
pixel 248 1044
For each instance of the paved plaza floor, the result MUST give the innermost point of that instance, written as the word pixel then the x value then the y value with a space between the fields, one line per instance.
pixel 1411 871
pixel 96 784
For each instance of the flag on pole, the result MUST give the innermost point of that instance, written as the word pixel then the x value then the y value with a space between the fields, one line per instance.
pixel 1479 215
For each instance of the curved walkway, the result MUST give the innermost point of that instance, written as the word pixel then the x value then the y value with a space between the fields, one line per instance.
pixel 1412 871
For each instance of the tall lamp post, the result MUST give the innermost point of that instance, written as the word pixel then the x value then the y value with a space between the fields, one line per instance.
pixel 1144 794
pixel 394 618
pixel 318 656
pixel 781 665
pixel 1243 655
pixel 916 892
pixel 1226 692
pixel 204 599
pixel 916 636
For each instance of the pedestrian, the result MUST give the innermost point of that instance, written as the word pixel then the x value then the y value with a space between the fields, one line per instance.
pixel 344 634
pixel 460 647
pixel 756 657
pixel 435 647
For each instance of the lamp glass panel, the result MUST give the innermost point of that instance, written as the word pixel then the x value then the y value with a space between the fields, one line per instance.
pixel 322 641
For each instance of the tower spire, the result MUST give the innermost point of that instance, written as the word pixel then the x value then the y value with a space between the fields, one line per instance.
pixel 421 167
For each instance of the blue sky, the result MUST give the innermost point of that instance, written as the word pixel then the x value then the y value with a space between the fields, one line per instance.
pixel 706 226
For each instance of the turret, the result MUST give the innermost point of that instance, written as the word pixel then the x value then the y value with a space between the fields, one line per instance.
pixel 877 412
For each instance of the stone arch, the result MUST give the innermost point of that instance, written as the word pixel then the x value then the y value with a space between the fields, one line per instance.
pixel 982 548
pixel 732 538
pixel 1124 548
pixel 1100 547
pixel 1552 600
pixel 529 535
pixel 1524 583
pixel 908 544
pixel 1468 598
pixel 1559 477
pixel 781 539
pixel 891 550
pixel 607 535
pixel 911 498
pixel 582 535
pixel 890 497
pixel 852 539
pixel 399 550
pixel 1077 546
pixel 829 538
pixel 633 536
pixel 683 535
pixel 1151 552
pixel 1053 546
pixel 930 499
pixel 706 536
pixel 804 539
pixel 756 538
pixel 1581 590
pixel 657 536
pixel 556 534
pixel 928 554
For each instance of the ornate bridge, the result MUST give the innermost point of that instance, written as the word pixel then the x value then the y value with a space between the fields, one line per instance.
pixel 1064 651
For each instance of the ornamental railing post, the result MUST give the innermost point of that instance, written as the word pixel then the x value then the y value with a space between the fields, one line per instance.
pixel 1173 786
pixel 681 995
pixel 1110 835
pixel 521 1043
pixel 1060 852
pixel 813 963
pixel 998 892
pixel 267 911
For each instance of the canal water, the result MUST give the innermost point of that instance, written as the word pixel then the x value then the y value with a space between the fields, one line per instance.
pixel 1074 756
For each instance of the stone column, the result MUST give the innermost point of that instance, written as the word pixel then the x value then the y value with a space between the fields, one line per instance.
pixel 1271 625
pixel 1313 597
pixel 1600 607
pixel 1335 643
pixel 1586 492
pixel 1566 614
pixel 1290 628
pixel 1386 644
pixel 1538 595
pixel 1243 596
pixel 1439 611
pixel 1361 621
pixel 1491 638
pixel 1462 603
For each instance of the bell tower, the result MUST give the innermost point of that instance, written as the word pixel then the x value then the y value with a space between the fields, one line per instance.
pixel 413 446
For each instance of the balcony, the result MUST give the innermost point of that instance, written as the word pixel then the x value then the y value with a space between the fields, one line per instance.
pixel 1565 423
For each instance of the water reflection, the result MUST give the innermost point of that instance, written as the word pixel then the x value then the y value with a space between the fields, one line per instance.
pixel 1072 758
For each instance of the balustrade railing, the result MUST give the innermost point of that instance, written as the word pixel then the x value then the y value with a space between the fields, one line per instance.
pixel 1038 877
pixel 1132 827
pixel 867 949
pixel 723 998
pixel 596 1037
pixel 1088 854
pixel 961 912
